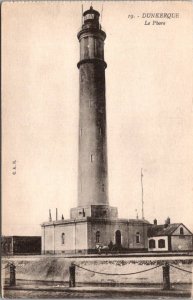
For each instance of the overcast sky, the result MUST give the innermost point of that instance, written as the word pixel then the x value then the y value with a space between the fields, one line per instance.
pixel 149 111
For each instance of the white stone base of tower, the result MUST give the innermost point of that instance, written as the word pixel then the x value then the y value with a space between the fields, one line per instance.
pixel 94 211
pixel 85 235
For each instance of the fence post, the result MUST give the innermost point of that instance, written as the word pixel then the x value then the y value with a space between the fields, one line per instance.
pixel 72 282
pixel 166 276
pixel 12 280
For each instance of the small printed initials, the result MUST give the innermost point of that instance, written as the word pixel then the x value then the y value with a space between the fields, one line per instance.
pixel 14 167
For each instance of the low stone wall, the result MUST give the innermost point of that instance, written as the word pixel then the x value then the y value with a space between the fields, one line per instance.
pixel 51 268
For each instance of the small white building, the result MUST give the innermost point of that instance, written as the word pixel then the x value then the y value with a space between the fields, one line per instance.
pixel 169 237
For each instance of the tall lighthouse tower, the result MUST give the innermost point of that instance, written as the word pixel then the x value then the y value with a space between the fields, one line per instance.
pixel 92 164
pixel 92 171
pixel 93 223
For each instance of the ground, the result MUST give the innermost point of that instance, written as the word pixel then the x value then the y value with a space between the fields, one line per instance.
pixel 62 295
pixel 97 292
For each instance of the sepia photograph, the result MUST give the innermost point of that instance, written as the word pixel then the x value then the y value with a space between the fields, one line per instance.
pixel 97 139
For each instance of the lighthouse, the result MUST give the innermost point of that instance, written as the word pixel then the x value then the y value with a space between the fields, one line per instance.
pixel 93 223
pixel 92 149
pixel 92 167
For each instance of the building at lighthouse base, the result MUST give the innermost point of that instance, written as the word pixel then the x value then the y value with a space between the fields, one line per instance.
pixel 88 234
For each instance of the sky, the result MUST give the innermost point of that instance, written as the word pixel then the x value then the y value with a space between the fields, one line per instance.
pixel 149 111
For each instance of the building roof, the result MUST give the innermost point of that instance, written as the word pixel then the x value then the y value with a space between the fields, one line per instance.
pixel 139 221
pixel 160 230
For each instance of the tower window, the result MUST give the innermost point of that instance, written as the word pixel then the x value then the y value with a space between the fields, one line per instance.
pixel 181 230
pixel 91 103
pixel 89 17
pixel 95 47
pixel 137 238
pixel 92 157
pixel 86 47
pixel 63 238
pixel 97 236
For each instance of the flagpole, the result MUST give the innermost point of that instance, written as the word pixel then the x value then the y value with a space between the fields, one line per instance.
pixel 142 202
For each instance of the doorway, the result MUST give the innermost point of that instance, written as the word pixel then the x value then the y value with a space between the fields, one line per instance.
pixel 118 238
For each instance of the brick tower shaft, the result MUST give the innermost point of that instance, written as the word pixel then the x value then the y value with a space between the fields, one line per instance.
pixel 92 169
pixel 92 160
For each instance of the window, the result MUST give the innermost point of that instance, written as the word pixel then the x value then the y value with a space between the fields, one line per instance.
pixel 91 103
pixel 161 243
pixel 181 230
pixel 151 244
pixel 63 238
pixel 86 52
pixel 97 236
pixel 88 16
pixel 92 158
pixel 95 47
pixel 98 47
pixel 137 238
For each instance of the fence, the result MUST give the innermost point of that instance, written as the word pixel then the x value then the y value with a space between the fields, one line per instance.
pixel 165 269
pixel 12 273
pixel 72 273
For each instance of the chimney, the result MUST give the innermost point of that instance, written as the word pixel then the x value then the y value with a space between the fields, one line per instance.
pixel 56 214
pixel 155 221
pixel 167 222
pixel 62 217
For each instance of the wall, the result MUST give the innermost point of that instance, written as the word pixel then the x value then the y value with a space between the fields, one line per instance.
pixel 81 237
pixel 128 233
pixel 69 238
pixel 53 268
pixel 95 49
pixel 142 228
pixel 21 245
pixel 48 239
pixel 107 231
pixel 177 231
pixel 26 244
pixel 157 238
pixel 95 211
pixel 75 237
pixel 182 243
pixel 92 167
